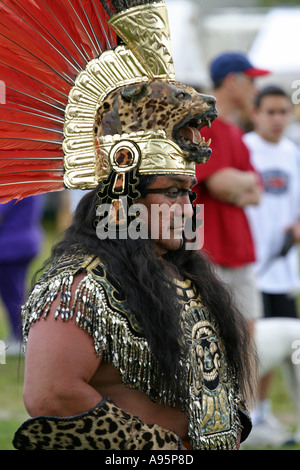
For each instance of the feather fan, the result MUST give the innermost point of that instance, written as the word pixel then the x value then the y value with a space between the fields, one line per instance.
pixel 44 45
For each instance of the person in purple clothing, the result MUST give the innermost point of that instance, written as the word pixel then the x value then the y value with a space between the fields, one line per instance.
pixel 21 236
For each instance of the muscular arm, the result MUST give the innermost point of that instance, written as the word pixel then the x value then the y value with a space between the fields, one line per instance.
pixel 240 188
pixel 60 362
pixel 296 231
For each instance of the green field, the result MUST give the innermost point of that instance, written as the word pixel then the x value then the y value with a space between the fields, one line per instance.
pixel 12 410
pixel 13 413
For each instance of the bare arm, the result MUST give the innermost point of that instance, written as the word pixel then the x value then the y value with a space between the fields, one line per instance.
pixel 296 232
pixel 60 362
pixel 295 229
pixel 235 187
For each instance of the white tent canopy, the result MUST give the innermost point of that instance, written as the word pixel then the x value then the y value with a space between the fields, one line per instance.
pixel 187 53
pixel 276 46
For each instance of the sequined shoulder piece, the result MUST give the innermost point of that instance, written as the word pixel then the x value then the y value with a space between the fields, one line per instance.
pixel 57 278
pixel 97 292
pixel 68 263
pixel 100 308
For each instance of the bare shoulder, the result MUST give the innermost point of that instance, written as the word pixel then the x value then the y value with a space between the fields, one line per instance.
pixel 58 343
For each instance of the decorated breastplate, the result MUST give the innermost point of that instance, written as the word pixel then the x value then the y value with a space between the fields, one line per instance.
pixel 101 308
pixel 212 399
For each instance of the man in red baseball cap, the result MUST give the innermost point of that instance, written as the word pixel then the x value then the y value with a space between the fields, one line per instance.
pixel 233 62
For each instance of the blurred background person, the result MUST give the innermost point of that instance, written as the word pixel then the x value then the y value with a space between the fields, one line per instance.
pixel 228 182
pixel 275 225
pixel 21 236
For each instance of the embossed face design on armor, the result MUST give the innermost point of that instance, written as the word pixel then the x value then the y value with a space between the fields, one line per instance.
pixel 207 357
pixel 209 354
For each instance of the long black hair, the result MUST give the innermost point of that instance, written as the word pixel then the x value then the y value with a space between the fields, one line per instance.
pixel 134 265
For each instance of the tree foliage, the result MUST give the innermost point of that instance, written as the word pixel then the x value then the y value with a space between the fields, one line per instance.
pixel 278 3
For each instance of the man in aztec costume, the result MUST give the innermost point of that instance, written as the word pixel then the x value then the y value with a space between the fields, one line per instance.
pixel 131 343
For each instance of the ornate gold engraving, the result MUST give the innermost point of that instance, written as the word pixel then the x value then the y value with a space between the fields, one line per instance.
pixel 147 55
pixel 145 29
pixel 158 154
pixel 111 70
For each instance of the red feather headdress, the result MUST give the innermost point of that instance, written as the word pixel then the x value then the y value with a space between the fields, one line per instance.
pixel 60 60
pixel 45 44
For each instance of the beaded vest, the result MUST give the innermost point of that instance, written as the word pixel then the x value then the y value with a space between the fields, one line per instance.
pixel 100 308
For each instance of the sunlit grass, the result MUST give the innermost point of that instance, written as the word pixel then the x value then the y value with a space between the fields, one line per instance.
pixel 12 410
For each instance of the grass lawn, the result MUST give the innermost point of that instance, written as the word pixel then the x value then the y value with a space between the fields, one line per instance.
pixel 12 410
pixel 13 413
pixel 283 407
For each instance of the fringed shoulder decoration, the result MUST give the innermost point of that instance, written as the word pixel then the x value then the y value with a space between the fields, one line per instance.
pixel 118 338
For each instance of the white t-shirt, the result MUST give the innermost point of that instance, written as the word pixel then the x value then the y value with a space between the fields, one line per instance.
pixel 279 167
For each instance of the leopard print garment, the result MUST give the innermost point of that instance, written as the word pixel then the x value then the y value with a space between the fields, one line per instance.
pixel 106 427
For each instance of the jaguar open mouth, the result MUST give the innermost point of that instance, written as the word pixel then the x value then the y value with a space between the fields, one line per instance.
pixel 188 136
